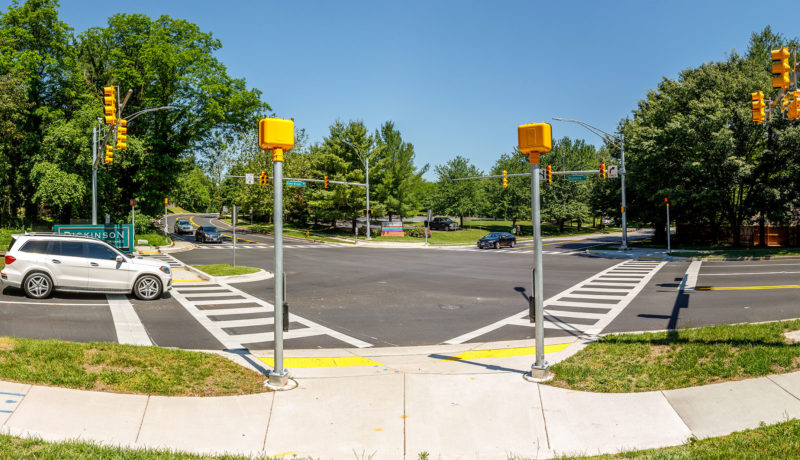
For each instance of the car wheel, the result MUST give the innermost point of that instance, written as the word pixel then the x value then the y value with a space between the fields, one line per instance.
pixel 147 287
pixel 38 285
pixel 497 245
pixel 511 244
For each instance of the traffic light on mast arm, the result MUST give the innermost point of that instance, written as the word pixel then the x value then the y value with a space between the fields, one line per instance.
pixel 326 182
pixel 549 175
pixel 505 178
pixel 666 201
pixel 109 154
pixel 110 104
pixel 263 179
pixel 781 68
pixel 758 106
pixel 794 106
pixel 603 173
pixel 122 135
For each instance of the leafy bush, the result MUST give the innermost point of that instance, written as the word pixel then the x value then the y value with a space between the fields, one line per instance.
pixel 142 224
pixel 415 232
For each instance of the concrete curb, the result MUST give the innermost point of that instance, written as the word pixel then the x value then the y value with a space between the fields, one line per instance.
pixel 260 275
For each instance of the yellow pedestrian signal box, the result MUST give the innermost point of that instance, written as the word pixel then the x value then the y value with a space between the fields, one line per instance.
pixel 758 106
pixel 549 175
pixel 505 178
pixel 535 138
pixel 109 154
pixel 276 134
pixel 780 68
pixel 110 104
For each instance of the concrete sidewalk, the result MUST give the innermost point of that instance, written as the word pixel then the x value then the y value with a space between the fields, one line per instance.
pixel 465 401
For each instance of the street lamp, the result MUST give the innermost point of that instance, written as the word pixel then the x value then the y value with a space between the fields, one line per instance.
pixel 608 138
pixel 365 159
pixel 96 160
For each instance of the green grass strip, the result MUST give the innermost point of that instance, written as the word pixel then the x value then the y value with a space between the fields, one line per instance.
pixel 225 269
pixel 124 368
pixel 153 239
pixel 689 357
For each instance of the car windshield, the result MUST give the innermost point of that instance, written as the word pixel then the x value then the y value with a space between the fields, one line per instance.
pixel 183 222
pixel 492 235
pixel 210 229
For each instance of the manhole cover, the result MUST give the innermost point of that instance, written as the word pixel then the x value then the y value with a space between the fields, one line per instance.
pixel 450 307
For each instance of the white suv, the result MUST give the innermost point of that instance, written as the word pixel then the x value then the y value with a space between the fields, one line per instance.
pixel 40 263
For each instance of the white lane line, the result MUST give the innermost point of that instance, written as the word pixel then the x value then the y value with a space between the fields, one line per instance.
pixel 555 312
pixel 216 302
pixel 244 322
pixel 233 311
pixel 206 294
pixel 129 328
pixel 595 296
pixel 689 281
pixel 749 274
pixel 520 319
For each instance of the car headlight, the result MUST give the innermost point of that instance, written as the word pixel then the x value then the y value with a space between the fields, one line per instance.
pixel 164 269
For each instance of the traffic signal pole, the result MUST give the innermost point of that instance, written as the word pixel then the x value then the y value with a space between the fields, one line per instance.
pixel 278 377
pixel 94 175
pixel 539 370
pixel 624 245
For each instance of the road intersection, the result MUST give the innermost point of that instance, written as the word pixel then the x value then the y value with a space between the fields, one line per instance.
pixel 342 295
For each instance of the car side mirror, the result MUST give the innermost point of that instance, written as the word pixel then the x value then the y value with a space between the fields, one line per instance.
pixel 118 259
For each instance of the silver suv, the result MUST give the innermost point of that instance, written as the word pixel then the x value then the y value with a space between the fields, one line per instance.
pixel 40 263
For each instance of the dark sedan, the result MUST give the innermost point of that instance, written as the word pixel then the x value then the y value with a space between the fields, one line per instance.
pixel 497 239
pixel 207 234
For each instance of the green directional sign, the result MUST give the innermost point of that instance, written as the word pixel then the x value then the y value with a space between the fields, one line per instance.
pixel 576 178
pixel 119 236
pixel 295 183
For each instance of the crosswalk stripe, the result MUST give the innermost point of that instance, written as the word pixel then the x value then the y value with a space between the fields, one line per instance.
pixel 574 323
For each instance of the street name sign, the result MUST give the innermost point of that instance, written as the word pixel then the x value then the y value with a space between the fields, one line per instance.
pixel 119 236
pixel 295 183
pixel 576 178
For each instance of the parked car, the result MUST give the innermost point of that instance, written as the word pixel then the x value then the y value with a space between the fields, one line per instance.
pixel 442 223
pixel 207 234
pixel 41 263
pixel 183 226
pixel 497 239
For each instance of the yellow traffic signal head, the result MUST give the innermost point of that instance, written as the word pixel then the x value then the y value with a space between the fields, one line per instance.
pixel 505 178
pixel 109 90
pixel 326 181
pixel 757 106
pixel 110 105
pixel 109 154
pixel 781 68
pixel 263 179
pixel 275 133
pixel 549 177
pixel 603 171
pixel 535 138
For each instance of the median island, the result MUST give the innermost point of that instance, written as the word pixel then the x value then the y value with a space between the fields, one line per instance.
pixel 225 269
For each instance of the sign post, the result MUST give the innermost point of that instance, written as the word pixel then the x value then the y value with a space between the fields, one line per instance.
pixel 277 135
pixel 669 248
pixel 166 228
pixel 233 221
pixel 534 140
pixel 133 219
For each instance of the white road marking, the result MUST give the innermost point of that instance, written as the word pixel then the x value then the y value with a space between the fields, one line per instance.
pixel 59 304
pixel 689 281
pixel 750 274
pixel 129 328
pixel 561 320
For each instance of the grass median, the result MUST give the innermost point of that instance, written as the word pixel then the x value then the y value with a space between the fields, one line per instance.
pixel 124 368
pixel 225 269
pixel 677 359
pixel 153 239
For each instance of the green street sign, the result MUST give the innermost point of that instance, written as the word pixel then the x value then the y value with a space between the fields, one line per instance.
pixel 575 178
pixel 119 236
pixel 295 183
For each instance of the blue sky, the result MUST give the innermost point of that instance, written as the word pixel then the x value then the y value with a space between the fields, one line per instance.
pixel 457 77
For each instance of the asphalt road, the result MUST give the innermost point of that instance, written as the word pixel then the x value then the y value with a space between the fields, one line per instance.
pixel 341 296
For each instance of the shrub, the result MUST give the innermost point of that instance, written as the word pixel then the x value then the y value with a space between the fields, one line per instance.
pixel 416 232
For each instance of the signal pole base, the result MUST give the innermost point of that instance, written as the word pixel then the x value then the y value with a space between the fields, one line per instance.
pixel 280 382
pixel 539 374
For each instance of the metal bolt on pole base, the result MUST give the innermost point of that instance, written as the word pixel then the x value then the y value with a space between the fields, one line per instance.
pixel 539 374
pixel 279 380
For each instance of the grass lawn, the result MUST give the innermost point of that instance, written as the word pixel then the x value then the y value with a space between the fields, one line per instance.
pixel 124 368
pixel 225 269
pixel 688 357
pixel 153 239
pixel 176 210
pixel 781 440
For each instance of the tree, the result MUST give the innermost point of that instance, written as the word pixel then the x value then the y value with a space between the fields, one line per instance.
pixel 395 178
pixel 565 200
pixel 193 191
pixel 458 198
pixel 513 202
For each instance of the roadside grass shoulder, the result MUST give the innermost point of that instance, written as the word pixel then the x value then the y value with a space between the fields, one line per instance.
pixel 781 440
pixel 225 269
pixel 677 359
pixel 176 210
pixel 12 447
pixel 124 368
pixel 153 239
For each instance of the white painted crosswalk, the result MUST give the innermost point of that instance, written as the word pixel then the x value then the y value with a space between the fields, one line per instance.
pixel 239 320
pixel 586 308
pixel 229 246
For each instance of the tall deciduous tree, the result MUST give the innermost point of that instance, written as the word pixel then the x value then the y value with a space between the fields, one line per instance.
pixel 395 178
pixel 512 202
pixel 458 198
